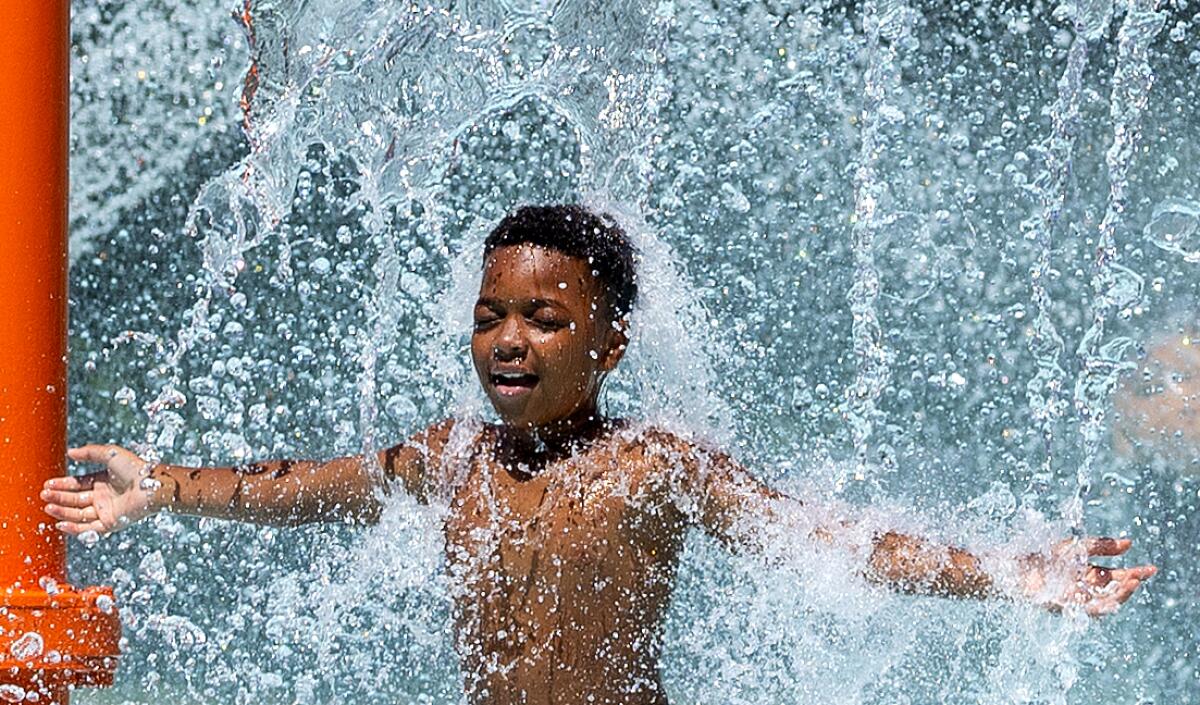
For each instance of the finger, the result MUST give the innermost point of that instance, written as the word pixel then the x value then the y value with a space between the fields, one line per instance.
pixel 1127 589
pixel 1105 546
pixel 67 499
pixel 71 514
pixel 75 528
pixel 71 483
pixel 1141 572
pixel 92 453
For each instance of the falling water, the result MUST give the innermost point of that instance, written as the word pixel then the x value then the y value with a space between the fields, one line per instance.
pixel 1046 388
pixel 886 23
pixel 286 266
pixel 1116 289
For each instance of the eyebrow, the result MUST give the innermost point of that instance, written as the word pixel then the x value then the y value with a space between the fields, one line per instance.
pixel 492 302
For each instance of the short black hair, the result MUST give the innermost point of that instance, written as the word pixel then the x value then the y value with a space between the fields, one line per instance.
pixel 576 231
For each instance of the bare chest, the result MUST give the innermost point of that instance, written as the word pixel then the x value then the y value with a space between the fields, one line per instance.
pixel 568 572
pixel 583 532
pixel 566 518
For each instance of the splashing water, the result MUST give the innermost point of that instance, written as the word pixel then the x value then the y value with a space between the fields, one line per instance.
pixel 824 201
pixel 27 647
pixel 1175 226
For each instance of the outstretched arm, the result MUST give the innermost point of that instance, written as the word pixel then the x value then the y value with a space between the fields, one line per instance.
pixel 270 492
pixel 731 504
pixel 286 492
pixel 1059 578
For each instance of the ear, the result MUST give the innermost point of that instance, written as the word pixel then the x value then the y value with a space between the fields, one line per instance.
pixel 618 341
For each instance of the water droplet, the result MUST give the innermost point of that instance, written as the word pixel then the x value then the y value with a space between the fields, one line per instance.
pixel 1175 227
pixel 169 398
pixel 890 113
pixel 401 408
pixel 153 568
pixel 125 396
pixel 12 693
pixel 179 631
pixel 204 385
pixel 1119 479
pixel 89 538
pixel 735 199
pixel 27 647
pixel 802 397
pixel 414 284
pixel 320 266
pixel 998 502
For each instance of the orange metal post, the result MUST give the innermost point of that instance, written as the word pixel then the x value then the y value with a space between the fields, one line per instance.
pixel 33 281
pixel 51 636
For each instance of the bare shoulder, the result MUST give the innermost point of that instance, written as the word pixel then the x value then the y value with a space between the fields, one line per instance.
pixel 436 436
pixel 657 452
pixel 658 445
pixel 683 460
pixel 417 461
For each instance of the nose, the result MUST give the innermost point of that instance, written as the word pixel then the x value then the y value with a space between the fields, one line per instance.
pixel 510 341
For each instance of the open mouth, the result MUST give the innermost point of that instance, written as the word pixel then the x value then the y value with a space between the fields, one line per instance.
pixel 513 383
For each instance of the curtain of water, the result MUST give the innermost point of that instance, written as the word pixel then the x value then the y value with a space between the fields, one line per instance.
pixel 1116 289
pixel 1046 389
pixel 885 25
pixel 163 118
pixel 323 280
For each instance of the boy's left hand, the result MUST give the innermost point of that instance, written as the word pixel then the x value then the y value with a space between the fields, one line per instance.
pixel 1064 578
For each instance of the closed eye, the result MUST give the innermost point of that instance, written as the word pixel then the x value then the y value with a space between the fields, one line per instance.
pixel 483 322
pixel 548 324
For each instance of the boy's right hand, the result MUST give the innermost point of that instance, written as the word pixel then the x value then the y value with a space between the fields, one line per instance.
pixel 104 501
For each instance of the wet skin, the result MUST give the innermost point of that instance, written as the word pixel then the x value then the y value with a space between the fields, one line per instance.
pixel 542 341
pixel 562 543
pixel 563 529
pixel 562 577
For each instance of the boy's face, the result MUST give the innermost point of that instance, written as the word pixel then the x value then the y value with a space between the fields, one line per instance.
pixel 542 337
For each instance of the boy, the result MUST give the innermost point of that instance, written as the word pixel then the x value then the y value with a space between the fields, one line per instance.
pixel 563 528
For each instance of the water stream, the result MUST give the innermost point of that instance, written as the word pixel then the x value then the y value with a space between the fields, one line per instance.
pixel 868 238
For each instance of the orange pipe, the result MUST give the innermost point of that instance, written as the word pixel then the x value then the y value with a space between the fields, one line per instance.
pixel 33 281
pixel 51 636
